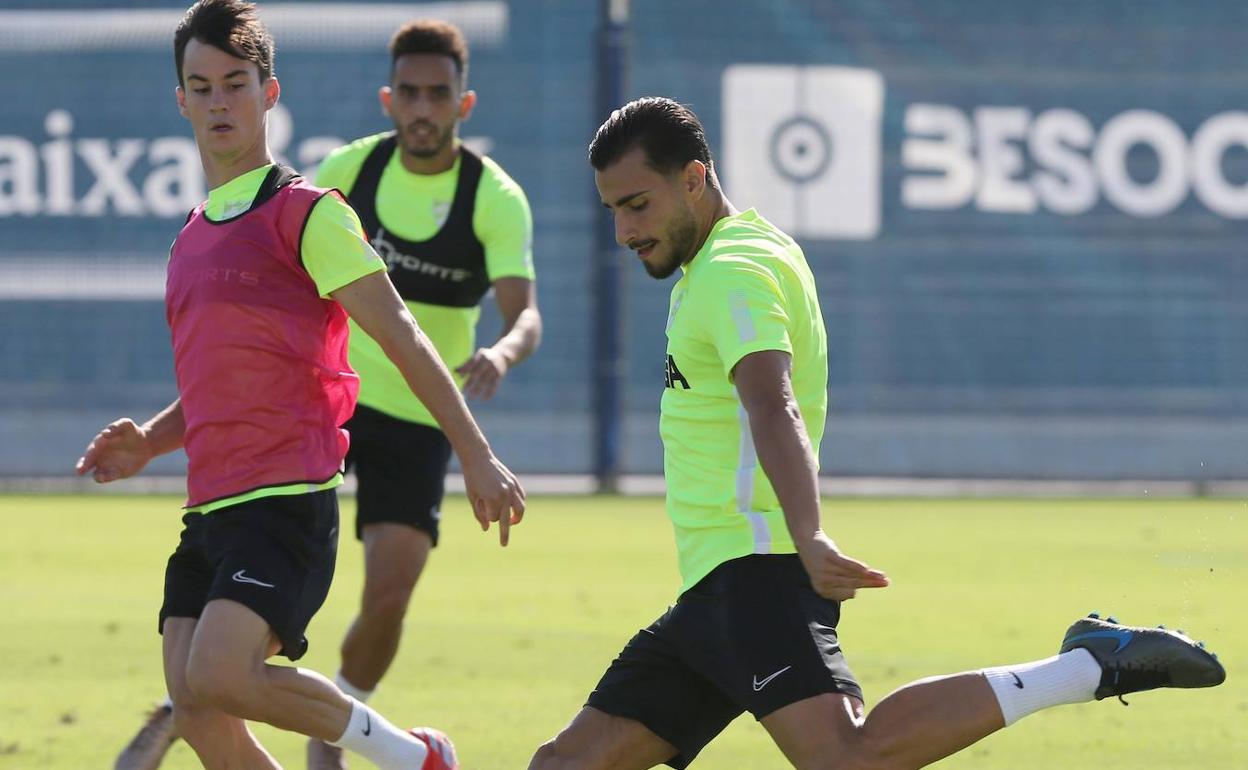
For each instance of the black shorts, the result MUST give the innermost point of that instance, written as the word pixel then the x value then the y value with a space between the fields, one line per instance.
pixel 274 555
pixel 400 471
pixel 751 636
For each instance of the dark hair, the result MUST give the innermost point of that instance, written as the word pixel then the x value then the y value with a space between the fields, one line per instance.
pixel 667 131
pixel 232 26
pixel 431 36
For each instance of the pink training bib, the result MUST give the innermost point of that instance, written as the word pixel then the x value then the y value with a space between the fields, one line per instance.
pixel 260 357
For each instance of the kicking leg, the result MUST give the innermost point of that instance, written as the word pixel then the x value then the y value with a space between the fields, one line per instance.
pixel 924 721
pixel 598 741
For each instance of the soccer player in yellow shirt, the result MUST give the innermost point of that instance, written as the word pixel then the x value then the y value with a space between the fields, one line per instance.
pixel 451 226
pixel 742 415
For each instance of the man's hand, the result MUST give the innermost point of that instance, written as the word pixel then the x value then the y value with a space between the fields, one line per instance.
pixel 833 574
pixel 483 372
pixel 495 494
pixel 119 451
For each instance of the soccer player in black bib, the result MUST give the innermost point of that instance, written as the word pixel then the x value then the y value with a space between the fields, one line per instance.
pixel 451 225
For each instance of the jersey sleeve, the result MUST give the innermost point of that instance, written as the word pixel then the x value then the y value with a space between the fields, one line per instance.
pixel 340 167
pixel 334 249
pixel 504 225
pixel 744 311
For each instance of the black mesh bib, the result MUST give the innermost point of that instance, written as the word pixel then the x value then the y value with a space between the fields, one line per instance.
pixel 449 268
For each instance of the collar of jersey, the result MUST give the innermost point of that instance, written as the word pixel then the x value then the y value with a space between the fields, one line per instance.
pixel 235 196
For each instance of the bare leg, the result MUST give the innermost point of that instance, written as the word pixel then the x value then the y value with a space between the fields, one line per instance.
pixel 914 726
pixel 225 667
pixel 598 741
pixel 220 740
pixel 394 557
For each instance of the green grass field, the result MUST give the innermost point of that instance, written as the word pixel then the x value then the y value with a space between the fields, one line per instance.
pixel 503 645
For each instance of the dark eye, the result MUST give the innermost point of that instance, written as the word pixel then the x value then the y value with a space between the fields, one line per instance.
pixel 638 206
pixel 236 86
pixel 200 90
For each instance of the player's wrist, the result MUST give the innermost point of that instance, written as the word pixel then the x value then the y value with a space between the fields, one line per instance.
pixel 477 453
pixel 505 356
pixel 811 542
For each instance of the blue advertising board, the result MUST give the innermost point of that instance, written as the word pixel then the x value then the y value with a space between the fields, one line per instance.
pixel 1026 220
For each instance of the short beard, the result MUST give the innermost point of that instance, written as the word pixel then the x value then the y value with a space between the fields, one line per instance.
pixel 443 139
pixel 680 238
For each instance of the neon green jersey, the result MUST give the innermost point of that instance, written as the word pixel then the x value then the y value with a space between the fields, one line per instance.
pixel 334 252
pixel 747 289
pixel 414 207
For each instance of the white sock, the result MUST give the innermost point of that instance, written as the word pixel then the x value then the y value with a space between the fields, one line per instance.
pixel 355 692
pixel 1023 689
pixel 166 703
pixel 371 736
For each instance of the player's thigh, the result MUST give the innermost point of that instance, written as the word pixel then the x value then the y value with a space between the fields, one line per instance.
pixel 177 635
pixel 394 557
pixel 652 682
pixel 824 731
pixel 770 640
pixel 230 644
pixel 276 556
pixel 595 740
pixel 200 724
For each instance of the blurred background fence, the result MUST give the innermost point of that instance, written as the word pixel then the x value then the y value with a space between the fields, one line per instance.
pixel 1027 220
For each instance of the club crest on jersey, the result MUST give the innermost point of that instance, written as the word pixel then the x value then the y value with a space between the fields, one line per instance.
pixel 673 375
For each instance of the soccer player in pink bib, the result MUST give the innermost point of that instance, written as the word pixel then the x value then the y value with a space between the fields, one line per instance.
pixel 261 281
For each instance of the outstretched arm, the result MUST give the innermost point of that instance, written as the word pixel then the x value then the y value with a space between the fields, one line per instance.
pixel 764 384
pixel 123 448
pixel 374 304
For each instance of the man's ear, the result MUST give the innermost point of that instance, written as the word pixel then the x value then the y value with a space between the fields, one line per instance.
pixel 695 178
pixel 466 103
pixel 384 94
pixel 272 91
pixel 180 93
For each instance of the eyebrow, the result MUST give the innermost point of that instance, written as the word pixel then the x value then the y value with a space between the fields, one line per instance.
pixel 430 86
pixel 228 75
pixel 625 199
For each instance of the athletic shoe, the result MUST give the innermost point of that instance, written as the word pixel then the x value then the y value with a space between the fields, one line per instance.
pixel 322 756
pixel 441 751
pixel 147 748
pixel 1134 659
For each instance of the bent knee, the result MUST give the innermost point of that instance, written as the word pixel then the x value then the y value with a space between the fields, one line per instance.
pixel 557 755
pixel 545 758
pixel 213 688
pixel 387 603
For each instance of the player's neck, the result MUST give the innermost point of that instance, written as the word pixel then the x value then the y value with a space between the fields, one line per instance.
pixel 717 206
pixel 218 171
pixel 435 164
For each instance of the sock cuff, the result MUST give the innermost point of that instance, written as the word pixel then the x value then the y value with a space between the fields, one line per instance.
pixel 351 690
pixel 356 723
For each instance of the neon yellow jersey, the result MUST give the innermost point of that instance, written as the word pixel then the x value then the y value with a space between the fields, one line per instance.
pixel 334 252
pixel 747 289
pixel 414 207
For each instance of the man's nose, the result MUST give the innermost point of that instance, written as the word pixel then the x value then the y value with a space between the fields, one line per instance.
pixel 624 232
